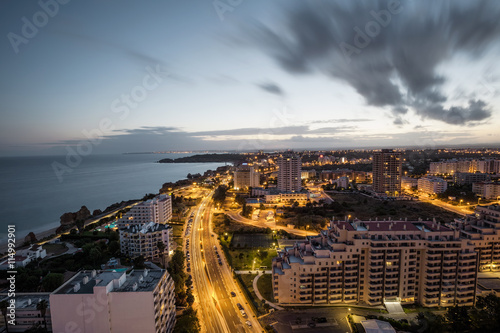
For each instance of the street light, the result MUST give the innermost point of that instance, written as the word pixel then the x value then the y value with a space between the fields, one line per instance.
pixel 461 200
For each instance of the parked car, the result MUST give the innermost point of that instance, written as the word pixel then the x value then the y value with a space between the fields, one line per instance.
pixel 233 294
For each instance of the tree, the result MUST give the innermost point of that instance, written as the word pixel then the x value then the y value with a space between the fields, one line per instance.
pixel 80 224
pixel 95 254
pixel 139 262
pixel 485 316
pixel 187 322
pixel 52 281
pixel 161 249
pixel 3 307
pixel 189 281
pixel 113 247
pixel 190 297
pixel 42 307
pixel 458 317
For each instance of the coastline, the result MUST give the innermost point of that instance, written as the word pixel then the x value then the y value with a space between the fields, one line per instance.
pixel 20 240
pixel 99 182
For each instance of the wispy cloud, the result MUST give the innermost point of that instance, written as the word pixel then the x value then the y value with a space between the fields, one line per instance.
pixel 271 88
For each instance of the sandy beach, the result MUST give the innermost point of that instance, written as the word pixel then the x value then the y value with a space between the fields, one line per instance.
pixel 20 239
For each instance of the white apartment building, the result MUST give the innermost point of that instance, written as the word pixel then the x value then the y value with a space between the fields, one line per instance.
pixel 246 176
pixel 487 190
pixel 432 185
pixel 407 183
pixel 453 166
pixel 342 182
pixel 100 302
pixel 482 229
pixel 158 210
pixel 289 173
pixel 462 178
pixel 369 262
pixel 138 241
pixel 307 174
pixel 27 314
pixel 287 198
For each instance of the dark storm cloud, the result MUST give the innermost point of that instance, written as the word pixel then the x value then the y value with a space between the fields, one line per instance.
pixel 271 88
pixel 388 53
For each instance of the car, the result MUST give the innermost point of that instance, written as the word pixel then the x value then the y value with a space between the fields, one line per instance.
pixel 243 313
pixel 239 306
pixel 248 323
pixel 189 269
pixel 233 294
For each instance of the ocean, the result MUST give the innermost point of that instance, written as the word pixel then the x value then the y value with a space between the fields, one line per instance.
pixel 33 198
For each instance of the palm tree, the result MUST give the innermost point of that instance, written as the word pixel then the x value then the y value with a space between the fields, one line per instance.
pixel 95 254
pixel 161 248
pixel 3 307
pixel 42 307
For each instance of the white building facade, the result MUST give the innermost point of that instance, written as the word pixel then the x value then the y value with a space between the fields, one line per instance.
pixel 143 240
pixel 245 176
pixel 101 302
pixel 487 190
pixel 158 210
pixel 432 185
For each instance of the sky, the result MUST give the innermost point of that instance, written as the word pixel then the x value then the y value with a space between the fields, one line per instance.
pixel 129 76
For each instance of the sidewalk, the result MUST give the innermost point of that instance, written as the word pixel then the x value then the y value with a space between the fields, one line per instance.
pixel 257 292
pixel 253 272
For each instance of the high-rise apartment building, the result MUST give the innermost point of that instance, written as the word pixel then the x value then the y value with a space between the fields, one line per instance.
pixel 246 176
pixel 482 229
pixel 289 173
pixel 387 172
pixel 143 240
pixel 370 262
pixel 99 302
pixel 157 210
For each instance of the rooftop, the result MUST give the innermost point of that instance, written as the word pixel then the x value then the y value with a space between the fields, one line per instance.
pixel 146 228
pixel 358 225
pixel 137 280
pixel 27 301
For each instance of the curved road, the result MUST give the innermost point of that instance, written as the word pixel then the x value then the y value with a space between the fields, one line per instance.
pixel 237 217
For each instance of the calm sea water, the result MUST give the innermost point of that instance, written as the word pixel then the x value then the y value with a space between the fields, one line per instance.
pixel 33 198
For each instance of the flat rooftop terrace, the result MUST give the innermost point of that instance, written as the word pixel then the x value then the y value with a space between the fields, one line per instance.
pixel 122 282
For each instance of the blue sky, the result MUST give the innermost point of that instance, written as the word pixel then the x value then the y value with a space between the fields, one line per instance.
pixel 189 75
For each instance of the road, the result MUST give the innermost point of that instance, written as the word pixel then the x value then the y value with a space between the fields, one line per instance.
pixel 462 210
pixel 210 314
pixel 214 282
pixel 237 217
pixel 223 283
